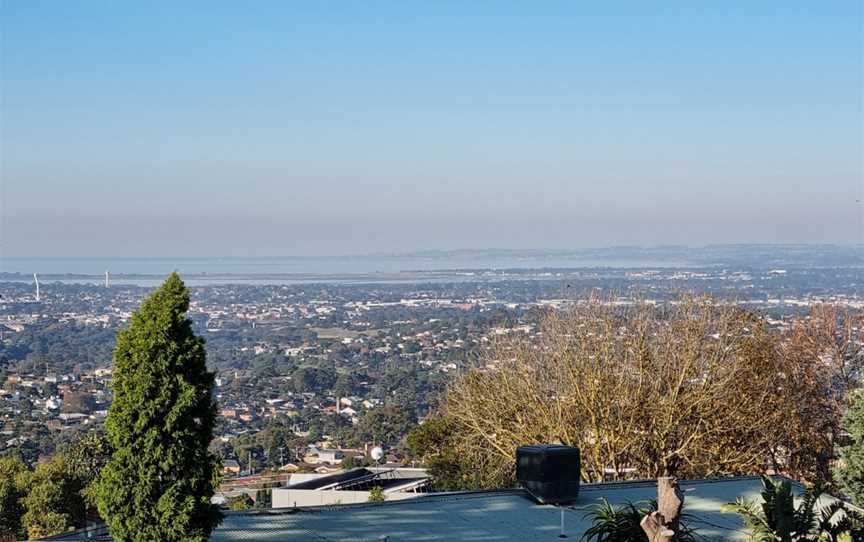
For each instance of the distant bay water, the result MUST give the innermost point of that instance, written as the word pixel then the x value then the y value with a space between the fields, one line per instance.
pixel 424 266
pixel 145 271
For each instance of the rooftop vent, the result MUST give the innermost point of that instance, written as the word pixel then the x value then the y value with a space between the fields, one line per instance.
pixel 549 472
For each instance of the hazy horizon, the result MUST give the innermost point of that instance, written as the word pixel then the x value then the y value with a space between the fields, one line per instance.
pixel 316 129
pixel 343 267
pixel 423 252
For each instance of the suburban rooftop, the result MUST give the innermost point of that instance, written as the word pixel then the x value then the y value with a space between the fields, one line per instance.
pixel 499 516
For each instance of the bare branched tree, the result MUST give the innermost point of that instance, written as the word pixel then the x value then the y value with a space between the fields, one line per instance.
pixel 823 359
pixel 692 388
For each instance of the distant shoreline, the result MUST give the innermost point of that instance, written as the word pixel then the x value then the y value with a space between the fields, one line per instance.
pixel 432 266
pixel 395 277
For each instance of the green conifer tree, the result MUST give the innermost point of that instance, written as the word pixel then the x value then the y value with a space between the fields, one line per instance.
pixel 160 479
pixel 851 474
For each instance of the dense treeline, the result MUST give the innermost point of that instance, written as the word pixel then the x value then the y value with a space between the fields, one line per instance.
pixel 58 346
pixel 52 496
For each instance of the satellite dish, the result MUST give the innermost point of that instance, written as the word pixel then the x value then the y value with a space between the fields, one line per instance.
pixel 377 453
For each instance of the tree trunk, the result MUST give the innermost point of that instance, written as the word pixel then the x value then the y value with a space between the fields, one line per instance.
pixel 663 525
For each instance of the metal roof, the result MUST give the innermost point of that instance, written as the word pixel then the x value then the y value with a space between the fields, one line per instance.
pixel 483 516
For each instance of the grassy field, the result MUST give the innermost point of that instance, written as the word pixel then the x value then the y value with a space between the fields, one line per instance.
pixel 338 333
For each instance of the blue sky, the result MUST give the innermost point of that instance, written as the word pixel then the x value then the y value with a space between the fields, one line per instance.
pixel 310 128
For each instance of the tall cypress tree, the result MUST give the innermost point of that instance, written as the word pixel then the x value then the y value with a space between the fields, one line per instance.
pixel 851 475
pixel 160 479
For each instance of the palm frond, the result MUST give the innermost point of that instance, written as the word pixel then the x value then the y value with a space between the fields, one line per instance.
pixel 777 519
pixel 805 517
pixel 623 523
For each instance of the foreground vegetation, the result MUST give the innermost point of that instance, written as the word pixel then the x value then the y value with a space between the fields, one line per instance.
pixel 691 389
pixel 816 518
pixel 160 479
pixel 152 476
pixel 54 496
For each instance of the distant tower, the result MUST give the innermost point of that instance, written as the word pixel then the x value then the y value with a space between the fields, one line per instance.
pixel 107 280
pixel 37 286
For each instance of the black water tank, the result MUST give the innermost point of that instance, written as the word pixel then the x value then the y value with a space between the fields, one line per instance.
pixel 550 472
